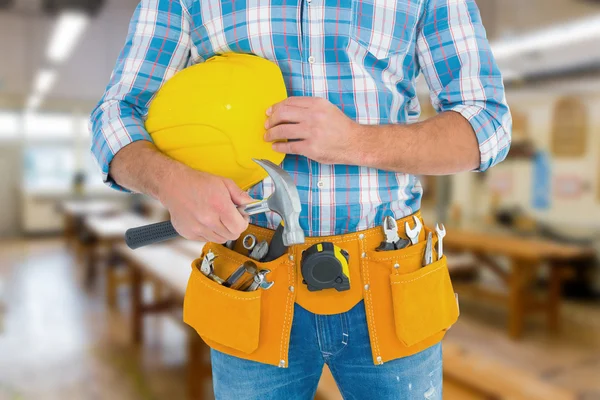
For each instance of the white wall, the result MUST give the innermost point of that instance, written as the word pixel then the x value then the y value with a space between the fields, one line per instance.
pixel 538 106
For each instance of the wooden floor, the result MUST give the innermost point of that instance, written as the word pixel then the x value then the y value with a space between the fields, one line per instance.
pixel 58 341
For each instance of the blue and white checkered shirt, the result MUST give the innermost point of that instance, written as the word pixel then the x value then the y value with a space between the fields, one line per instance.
pixel 364 56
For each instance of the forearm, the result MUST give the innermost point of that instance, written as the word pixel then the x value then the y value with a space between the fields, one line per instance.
pixel 442 145
pixel 141 167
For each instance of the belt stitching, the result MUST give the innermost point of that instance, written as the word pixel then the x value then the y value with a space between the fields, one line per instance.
pixel 283 346
pixel 369 303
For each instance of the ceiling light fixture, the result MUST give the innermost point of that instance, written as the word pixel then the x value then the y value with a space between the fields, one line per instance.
pixel 33 102
pixel 44 81
pixel 70 25
pixel 556 36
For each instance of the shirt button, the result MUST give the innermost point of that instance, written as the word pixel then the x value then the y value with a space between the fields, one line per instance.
pixel 308 1
pixel 320 184
pixel 311 59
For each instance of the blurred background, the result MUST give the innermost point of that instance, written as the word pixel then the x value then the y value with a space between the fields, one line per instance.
pixel 82 317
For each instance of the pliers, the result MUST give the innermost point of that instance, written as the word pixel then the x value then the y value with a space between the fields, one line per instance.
pixel 392 240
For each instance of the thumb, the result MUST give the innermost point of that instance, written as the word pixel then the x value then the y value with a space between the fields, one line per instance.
pixel 238 196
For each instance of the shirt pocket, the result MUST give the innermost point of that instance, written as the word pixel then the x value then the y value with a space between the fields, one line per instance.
pixel 385 27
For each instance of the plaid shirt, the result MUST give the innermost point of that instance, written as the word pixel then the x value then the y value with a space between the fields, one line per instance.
pixel 364 56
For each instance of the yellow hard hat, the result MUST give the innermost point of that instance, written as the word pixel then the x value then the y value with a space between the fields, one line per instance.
pixel 211 116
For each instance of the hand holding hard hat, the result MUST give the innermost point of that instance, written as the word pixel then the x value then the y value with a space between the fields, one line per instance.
pixel 211 118
pixel 315 128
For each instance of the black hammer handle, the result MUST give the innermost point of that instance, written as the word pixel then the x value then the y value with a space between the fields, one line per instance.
pixel 156 233
pixel 149 234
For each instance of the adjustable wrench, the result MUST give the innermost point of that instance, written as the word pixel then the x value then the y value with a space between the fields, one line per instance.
pixel 413 234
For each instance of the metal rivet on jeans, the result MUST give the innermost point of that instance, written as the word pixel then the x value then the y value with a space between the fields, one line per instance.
pixel 281 363
pixel 361 236
pixel 396 266
pixel 291 288
pixel 367 287
pixel 379 360
pixel 363 255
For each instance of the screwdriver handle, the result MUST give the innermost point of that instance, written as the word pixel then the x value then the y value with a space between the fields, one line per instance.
pixel 149 234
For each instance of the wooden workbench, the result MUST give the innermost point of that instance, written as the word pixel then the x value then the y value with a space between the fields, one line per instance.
pixel 105 233
pixel 527 256
pixel 167 266
pixel 75 211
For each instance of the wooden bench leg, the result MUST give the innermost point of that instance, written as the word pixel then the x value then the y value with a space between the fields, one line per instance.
pixel 516 300
pixel 137 316
pixel 91 255
pixel 554 294
pixel 198 372
pixel 159 291
pixel 111 286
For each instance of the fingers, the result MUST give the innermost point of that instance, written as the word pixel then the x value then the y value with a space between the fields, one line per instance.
pixel 197 232
pixel 285 114
pixel 231 218
pixel 235 223
pixel 238 196
pixel 295 147
pixel 286 132
pixel 293 109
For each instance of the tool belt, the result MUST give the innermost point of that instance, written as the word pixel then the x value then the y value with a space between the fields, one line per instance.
pixel 409 307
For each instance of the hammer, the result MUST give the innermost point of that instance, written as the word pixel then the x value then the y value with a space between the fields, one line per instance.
pixel 285 201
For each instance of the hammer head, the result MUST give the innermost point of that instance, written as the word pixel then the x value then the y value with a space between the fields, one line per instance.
pixel 285 201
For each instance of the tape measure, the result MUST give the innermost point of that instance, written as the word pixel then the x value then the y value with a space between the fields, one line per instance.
pixel 325 266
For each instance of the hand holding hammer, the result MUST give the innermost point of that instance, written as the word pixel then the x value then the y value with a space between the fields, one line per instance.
pixel 285 201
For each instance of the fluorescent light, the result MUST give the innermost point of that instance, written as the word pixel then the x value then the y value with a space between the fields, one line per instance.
pixel 44 81
pixel 69 27
pixel 34 102
pixel 559 35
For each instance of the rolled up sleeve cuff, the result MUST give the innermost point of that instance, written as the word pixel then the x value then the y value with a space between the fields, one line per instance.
pixel 493 133
pixel 108 142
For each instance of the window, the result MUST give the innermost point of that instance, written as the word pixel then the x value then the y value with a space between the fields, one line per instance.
pixel 83 126
pixel 48 126
pixel 9 124
pixel 49 167
pixel 93 176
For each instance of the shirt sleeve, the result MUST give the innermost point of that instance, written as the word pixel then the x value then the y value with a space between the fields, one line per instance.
pixel 158 46
pixel 457 62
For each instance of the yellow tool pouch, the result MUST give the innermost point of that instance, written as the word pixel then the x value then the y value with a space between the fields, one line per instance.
pixel 408 307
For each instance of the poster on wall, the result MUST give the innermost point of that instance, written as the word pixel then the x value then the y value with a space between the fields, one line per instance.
pixel 502 183
pixel 570 187
pixel 569 128
pixel 541 182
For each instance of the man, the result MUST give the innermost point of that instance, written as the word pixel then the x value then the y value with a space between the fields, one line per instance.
pixel 350 67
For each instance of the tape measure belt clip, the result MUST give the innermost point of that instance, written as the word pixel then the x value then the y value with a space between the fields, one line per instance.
pixel 325 266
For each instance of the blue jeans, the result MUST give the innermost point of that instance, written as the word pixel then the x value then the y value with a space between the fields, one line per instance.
pixel 341 341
